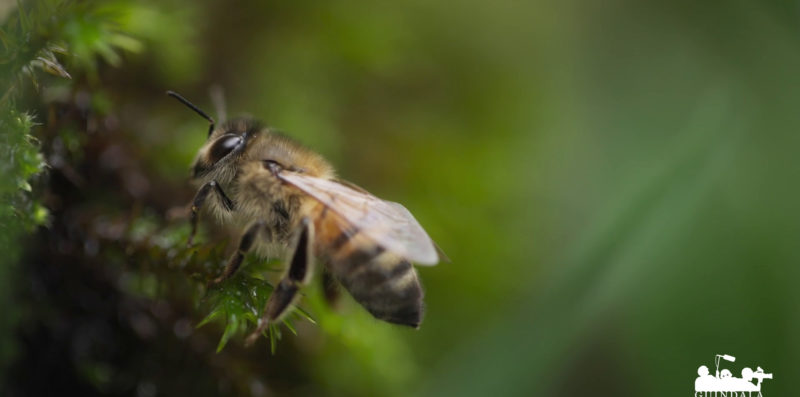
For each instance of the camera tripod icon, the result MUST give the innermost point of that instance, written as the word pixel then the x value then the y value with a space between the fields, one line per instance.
pixel 724 384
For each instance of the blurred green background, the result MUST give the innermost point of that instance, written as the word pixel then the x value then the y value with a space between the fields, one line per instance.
pixel 616 184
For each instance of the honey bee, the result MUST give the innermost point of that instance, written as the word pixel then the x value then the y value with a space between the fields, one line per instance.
pixel 285 197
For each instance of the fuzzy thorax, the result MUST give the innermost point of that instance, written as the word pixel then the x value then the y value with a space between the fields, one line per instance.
pixel 257 194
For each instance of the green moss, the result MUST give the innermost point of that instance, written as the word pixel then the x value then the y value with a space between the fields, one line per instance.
pixel 35 38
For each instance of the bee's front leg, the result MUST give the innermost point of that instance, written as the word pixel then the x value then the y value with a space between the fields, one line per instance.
pixel 298 274
pixel 245 243
pixel 200 198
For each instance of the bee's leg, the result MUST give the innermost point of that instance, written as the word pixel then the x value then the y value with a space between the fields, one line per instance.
pixel 245 243
pixel 200 198
pixel 298 274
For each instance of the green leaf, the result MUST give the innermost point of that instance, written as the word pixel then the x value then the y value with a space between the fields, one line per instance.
pixel 24 185
pixel 273 343
pixel 126 42
pixel 24 19
pixel 231 329
pixel 213 315
pixel 304 314
pixel 53 67
pixel 289 325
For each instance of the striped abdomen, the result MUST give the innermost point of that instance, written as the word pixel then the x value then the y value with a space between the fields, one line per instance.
pixel 384 283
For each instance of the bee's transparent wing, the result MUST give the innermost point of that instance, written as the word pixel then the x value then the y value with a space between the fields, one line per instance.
pixel 390 224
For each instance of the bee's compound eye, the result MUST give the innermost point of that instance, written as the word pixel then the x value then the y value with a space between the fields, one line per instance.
pixel 224 145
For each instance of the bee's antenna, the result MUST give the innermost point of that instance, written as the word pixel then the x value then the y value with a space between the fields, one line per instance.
pixel 195 108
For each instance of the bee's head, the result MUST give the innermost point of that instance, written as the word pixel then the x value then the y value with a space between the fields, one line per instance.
pixel 224 146
pixel 217 157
